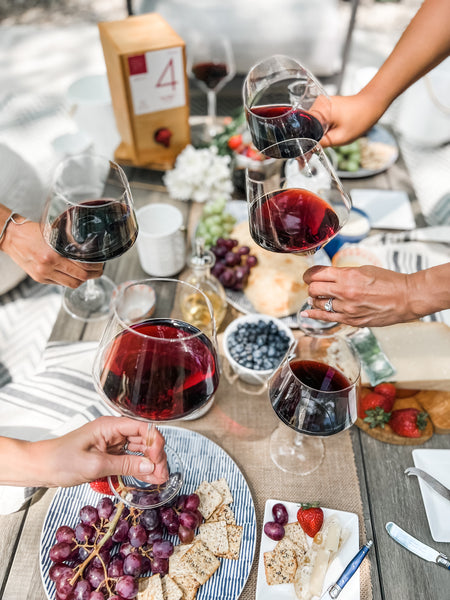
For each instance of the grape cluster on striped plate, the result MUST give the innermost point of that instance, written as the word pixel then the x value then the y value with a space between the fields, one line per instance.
pixel 233 263
pixel 111 546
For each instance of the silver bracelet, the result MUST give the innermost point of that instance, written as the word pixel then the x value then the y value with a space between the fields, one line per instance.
pixel 8 221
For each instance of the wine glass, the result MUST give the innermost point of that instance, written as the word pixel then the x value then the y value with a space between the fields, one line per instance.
pixel 297 207
pixel 211 64
pixel 314 393
pixel 89 217
pixel 283 100
pixel 157 361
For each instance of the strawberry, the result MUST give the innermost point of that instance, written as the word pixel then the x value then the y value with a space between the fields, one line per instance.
pixel 377 417
pixel 408 422
pixel 386 389
pixel 162 136
pixel 310 517
pixel 373 400
pixel 235 141
pixel 101 486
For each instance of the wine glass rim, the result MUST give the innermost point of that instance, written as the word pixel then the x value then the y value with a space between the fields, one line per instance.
pixel 148 282
pixel 356 378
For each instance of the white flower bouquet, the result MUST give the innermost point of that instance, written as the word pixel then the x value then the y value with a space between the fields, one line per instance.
pixel 200 175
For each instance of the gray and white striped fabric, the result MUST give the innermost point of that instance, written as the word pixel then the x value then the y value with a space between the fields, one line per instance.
pixel 27 315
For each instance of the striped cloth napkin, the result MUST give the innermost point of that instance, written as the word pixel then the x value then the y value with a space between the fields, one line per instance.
pixel 411 251
pixel 51 402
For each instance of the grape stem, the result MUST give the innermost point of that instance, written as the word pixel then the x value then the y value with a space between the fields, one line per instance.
pixel 109 532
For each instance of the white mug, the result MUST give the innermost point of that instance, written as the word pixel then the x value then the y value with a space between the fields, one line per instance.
pixel 161 241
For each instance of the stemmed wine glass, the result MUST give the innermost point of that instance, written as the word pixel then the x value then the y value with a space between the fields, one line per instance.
pixel 298 206
pixel 89 217
pixel 157 362
pixel 314 393
pixel 283 100
pixel 211 64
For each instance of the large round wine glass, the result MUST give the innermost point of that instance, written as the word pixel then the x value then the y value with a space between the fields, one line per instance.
pixel 283 100
pixel 297 206
pixel 314 393
pixel 89 217
pixel 157 361
pixel 211 64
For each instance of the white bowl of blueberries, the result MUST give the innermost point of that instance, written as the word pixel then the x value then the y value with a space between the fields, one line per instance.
pixel 255 345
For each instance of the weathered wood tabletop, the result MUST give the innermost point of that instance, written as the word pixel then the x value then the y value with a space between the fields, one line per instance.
pixel 387 494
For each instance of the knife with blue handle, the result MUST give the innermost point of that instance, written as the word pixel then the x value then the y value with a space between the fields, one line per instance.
pixel 419 548
pixel 336 588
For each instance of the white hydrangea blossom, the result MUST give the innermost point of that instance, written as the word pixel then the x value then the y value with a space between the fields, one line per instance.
pixel 200 175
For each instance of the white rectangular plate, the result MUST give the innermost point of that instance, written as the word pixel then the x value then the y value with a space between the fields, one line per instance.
pixel 437 464
pixel 349 521
pixel 386 209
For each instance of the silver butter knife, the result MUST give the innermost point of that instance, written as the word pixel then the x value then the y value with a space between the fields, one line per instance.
pixel 431 481
pixel 419 548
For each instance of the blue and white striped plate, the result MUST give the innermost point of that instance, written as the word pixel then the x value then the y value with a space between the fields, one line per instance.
pixel 203 460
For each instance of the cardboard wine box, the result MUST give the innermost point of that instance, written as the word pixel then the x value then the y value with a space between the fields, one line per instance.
pixel 146 67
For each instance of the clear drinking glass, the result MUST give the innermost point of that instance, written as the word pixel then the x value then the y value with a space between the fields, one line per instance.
pixel 89 217
pixel 157 363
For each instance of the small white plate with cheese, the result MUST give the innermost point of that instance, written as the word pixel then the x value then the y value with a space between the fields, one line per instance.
pixel 328 572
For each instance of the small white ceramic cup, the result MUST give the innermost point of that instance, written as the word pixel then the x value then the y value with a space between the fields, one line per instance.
pixel 161 240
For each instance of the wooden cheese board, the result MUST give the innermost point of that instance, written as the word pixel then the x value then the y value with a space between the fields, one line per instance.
pixel 435 403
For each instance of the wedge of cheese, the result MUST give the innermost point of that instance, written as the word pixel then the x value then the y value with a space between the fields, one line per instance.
pixel 420 353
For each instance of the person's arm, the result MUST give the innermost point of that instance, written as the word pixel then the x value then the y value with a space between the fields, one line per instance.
pixel 22 240
pixel 90 452
pixel 375 297
pixel 423 45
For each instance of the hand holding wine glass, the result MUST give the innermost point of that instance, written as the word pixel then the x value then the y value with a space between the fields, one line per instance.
pixel 211 63
pixel 157 362
pixel 89 218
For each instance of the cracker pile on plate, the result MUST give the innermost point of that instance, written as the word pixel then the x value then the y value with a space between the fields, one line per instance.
pixel 294 561
pixel 191 565
pixel 275 285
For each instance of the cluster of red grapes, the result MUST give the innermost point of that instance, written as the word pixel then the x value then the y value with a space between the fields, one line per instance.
pixel 233 263
pixel 275 529
pixel 103 556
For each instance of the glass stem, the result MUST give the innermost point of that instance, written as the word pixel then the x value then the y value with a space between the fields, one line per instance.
pixel 212 111
pixel 298 440
pixel 90 290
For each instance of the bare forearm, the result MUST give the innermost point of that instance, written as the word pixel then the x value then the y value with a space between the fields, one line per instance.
pixel 23 463
pixel 429 290
pixel 423 45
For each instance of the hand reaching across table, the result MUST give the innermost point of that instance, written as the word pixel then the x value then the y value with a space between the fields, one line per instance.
pixel 372 296
pixel 87 453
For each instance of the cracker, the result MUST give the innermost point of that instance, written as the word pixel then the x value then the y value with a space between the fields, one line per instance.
pixel 171 590
pixel 150 588
pixel 200 562
pixel 287 543
pixel 223 513
pixel 175 559
pixel 295 533
pixel 188 585
pixel 214 536
pixel 234 533
pixel 280 567
pixel 221 486
pixel 210 499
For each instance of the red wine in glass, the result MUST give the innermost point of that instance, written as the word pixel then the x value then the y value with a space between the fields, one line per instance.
pixel 292 220
pixel 210 73
pixel 313 397
pixel 159 379
pixel 270 124
pixel 94 231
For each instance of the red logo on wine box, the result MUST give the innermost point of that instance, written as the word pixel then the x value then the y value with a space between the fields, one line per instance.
pixel 137 64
